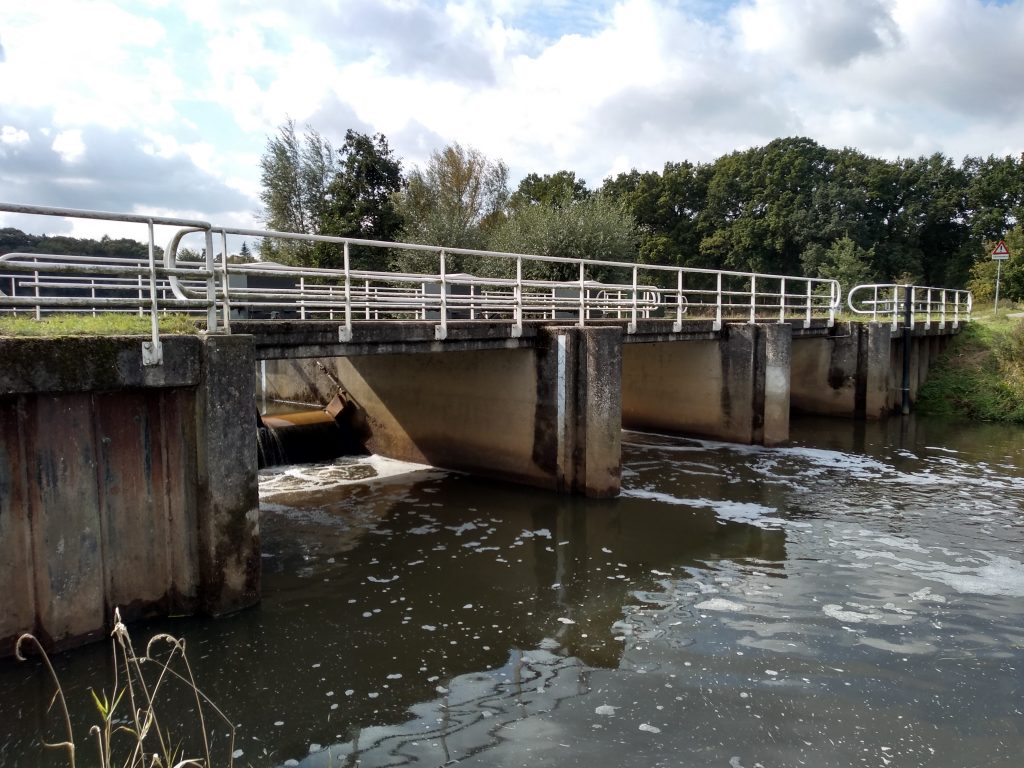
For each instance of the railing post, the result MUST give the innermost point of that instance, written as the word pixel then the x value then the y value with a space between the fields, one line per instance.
pixel 345 331
pixel 153 350
pixel 631 328
pixel 226 292
pixel 942 311
pixel 753 299
pixel 138 283
pixel 302 298
pixel 677 326
pixel 92 294
pixel 517 295
pixel 583 295
pixel 896 306
pixel 908 326
pixel 211 284
pixel 810 302
pixel 472 301
pixel 441 331
pixel 718 305
pixel 782 301
pixel 35 279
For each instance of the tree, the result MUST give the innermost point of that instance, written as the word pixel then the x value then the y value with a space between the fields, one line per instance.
pixel 361 198
pixel 295 174
pixel 552 189
pixel 452 202
pixel 596 227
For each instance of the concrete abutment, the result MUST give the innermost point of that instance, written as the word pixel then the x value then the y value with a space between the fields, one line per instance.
pixel 124 486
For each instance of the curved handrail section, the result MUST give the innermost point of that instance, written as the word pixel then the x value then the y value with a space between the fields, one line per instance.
pixel 909 303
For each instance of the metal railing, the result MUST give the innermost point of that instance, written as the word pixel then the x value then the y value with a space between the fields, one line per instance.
pixel 489 285
pixel 896 303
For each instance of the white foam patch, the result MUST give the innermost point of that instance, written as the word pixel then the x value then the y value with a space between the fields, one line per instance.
pixel 720 604
pixel 300 478
pixel 838 613
pixel 733 511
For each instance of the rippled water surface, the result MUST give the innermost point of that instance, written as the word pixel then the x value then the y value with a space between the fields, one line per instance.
pixel 851 599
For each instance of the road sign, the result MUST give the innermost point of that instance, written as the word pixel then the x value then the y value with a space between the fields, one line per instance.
pixel 1001 252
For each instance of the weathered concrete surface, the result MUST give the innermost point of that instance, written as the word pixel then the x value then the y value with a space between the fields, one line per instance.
pixel 777 362
pixel 227 491
pixel 727 389
pixel 547 414
pixel 132 496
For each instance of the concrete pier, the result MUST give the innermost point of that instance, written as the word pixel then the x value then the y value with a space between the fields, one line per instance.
pixel 124 486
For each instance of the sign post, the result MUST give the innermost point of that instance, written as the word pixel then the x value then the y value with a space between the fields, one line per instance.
pixel 999 254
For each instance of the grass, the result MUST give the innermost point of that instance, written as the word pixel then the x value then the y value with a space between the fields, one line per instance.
pixel 129 734
pixel 980 376
pixel 106 324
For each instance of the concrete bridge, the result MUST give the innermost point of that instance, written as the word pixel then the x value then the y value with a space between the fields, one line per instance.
pixel 128 467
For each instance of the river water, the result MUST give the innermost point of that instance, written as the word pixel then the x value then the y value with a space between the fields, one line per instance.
pixel 853 598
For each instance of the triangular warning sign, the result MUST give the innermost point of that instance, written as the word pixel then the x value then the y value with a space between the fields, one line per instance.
pixel 1001 249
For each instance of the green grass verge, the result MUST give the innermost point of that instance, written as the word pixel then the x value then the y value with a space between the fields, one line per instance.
pixel 109 324
pixel 980 376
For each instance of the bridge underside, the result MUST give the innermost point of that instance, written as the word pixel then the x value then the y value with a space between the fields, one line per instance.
pixel 546 408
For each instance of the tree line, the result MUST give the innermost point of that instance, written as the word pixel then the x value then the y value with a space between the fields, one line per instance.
pixel 789 207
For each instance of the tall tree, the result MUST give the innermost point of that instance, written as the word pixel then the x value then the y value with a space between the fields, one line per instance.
pixel 596 227
pixel 552 189
pixel 360 200
pixel 453 201
pixel 295 174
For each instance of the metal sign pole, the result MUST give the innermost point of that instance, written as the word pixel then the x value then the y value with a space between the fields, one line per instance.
pixel 999 269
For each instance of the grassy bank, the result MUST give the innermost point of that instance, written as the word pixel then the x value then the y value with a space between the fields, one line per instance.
pixel 980 376
pixel 109 324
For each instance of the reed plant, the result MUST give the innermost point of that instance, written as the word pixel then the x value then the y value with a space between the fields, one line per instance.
pixel 129 733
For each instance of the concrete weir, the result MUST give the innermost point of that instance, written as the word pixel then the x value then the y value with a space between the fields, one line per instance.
pixel 735 387
pixel 123 485
pixel 133 486
pixel 544 413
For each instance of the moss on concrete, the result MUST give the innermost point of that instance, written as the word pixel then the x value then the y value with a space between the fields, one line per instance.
pixel 107 324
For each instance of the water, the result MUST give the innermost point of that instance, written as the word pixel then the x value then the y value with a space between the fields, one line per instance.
pixel 852 599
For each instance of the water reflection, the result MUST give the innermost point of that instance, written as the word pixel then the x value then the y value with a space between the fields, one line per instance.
pixel 852 598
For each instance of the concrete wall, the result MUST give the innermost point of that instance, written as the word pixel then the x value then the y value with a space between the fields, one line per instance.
pixel 846 373
pixel 857 371
pixel 547 414
pixel 124 486
pixel 735 388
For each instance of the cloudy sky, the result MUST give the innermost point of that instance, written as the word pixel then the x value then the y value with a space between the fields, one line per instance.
pixel 164 106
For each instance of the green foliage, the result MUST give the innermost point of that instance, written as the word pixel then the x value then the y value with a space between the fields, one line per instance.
pixel 14 240
pixel 980 377
pixel 556 190
pixel 361 199
pixel 454 201
pixel 295 173
pixel 595 227
pixel 107 324
pixel 134 737
pixel 982 282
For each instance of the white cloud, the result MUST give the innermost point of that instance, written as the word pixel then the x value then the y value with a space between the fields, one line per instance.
pixel 193 88
pixel 13 136
pixel 69 145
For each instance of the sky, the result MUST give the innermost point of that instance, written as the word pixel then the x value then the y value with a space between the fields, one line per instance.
pixel 165 106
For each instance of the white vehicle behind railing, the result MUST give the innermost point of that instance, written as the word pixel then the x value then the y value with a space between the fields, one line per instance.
pixel 496 287
pixel 900 303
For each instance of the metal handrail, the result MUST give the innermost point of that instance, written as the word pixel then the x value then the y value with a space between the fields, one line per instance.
pixel 500 289
pixel 896 301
